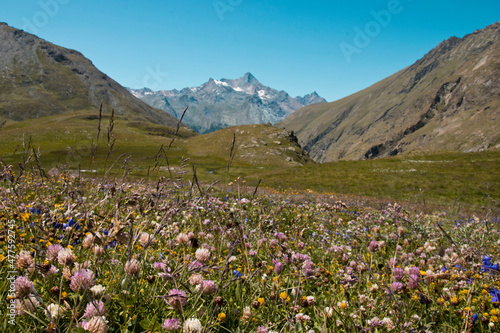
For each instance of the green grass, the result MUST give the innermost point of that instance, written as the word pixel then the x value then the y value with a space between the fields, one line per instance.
pixel 444 178
pixel 458 180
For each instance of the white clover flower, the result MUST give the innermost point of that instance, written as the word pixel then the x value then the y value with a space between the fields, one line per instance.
pixel 98 290
pixel 192 325
pixel 389 324
pixel 55 310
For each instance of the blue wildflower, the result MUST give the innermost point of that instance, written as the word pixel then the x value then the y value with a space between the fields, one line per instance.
pixel 488 265
pixel 236 273
pixel 113 244
pixel 495 294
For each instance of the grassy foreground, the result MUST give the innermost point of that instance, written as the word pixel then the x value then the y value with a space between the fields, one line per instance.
pixel 86 255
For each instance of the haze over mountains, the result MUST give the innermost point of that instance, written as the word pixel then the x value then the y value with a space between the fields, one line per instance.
pixel 448 100
pixel 219 104
pixel 38 79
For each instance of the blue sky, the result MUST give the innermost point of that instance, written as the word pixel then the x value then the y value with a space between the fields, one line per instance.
pixel 333 47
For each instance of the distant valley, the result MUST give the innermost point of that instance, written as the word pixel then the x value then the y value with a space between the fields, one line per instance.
pixel 447 101
pixel 425 116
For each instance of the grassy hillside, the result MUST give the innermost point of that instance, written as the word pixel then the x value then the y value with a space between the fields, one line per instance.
pixel 448 100
pixel 38 79
pixel 66 141
pixel 261 153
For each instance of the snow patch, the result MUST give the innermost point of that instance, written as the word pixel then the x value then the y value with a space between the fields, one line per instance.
pixel 263 95
pixel 220 83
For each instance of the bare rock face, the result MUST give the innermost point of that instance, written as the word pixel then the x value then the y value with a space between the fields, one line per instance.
pixel 448 100
pixel 38 78
pixel 219 104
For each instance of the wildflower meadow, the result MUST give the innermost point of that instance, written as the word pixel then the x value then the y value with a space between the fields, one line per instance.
pixel 106 255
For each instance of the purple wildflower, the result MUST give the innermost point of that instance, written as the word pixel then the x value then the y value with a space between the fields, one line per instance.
pixel 396 287
pixel 94 308
pixel 415 271
pixel 373 246
pixel 176 298
pixel 278 267
pixel 398 273
pixel 413 281
pixel 82 280
pixel 160 266
pixel 281 236
pixel 195 265
pixel 171 325
pixel 208 287
pixel 52 252
pixel 23 286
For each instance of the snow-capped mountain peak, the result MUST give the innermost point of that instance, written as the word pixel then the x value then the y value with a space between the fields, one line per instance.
pixel 221 103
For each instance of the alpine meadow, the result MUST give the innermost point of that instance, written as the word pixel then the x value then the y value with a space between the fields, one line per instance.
pixel 235 206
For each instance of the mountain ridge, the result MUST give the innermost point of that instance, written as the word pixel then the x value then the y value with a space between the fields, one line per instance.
pixel 439 102
pixel 217 104
pixel 39 78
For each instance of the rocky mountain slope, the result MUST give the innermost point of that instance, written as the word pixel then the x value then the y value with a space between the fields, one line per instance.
pixel 218 104
pixel 38 79
pixel 448 100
